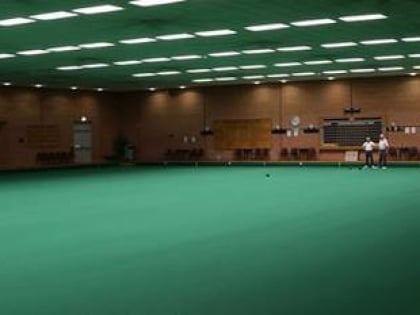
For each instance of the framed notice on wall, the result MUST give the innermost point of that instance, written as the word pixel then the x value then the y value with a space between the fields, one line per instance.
pixel 42 136
pixel 242 134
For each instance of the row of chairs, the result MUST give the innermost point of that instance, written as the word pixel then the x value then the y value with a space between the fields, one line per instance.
pixel 184 154
pixel 252 154
pixel 298 154
pixel 51 158
pixel 404 154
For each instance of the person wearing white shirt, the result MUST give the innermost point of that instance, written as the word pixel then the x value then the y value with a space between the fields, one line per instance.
pixel 383 151
pixel 368 146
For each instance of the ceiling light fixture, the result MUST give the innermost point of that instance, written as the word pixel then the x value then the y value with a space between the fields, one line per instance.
pixel 278 75
pixel 315 22
pixel 221 69
pixel 164 73
pixel 390 57
pixel 335 72
pixel 151 3
pixel 258 51
pixel 186 57
pixel 141 40
pixel 63 48
pixel 144 75
pixel 253 67
pixel 6 56
pixel 379 41
pixel 369 70
pixel 391 69
pixel 253 77
pixel 288 64
pixel 339 45
pixel 96 45
pixel 224 54
pixel 175 36
pixel 267 27
pixel 303 74
pixel 294 48
pixel 411 39
pixel 33 52
pixel 364 17
pixel 95 66
pixel 214 33
pixel 69 68
pixel 127 63
pixel 318 62
pixel 158 59
pixel 345 60
pixel 15 21
pixel 53 16
pixel 198 71
pixel 226 79
pixel 107 8
pixel 203 80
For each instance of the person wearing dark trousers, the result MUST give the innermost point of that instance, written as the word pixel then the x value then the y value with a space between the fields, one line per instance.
pixel 383 151
pixel 368 147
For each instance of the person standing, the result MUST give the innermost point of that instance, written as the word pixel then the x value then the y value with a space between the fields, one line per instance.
pixel 368 147
pixel 383 151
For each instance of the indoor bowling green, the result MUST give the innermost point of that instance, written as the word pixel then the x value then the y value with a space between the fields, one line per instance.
pixel 192 157
pixel 210 240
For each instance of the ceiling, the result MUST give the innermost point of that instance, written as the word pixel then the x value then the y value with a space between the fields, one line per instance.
pixel 402 57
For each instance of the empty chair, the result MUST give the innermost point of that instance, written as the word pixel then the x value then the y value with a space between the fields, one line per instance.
pixel 412 153
pixel 393 153
pixel 284 154
pixel 294 154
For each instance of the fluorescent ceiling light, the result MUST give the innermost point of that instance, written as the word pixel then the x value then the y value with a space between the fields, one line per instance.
pixel 15 21
pixel 98 9
pixel 411 39
pixel 303 74
pixel 186 57
pixel 226 79
pixel 253 77
pixel 53 16
pixel 294 48
pixel 69 68
pixel 96 45
pixel 38 86
pixel 198 70
pixel 414 55
pixel 339 45
pixel 379 41
pixel 141 40
pixel 362 70
pixel 215 33
pixel 144 75
pixel 258 51
pixel 391 68
pixel 202 80
pixel 220 69
pixel 160 59
pixel 288 64
pixel 344 60
pixel 33 52
pixel 7 83
pixel 6 56
pixel 127 62
pixel 151 3
pixel 318 62
pixel 95 65
pixel 175 36
pixel 390 57
pixel 168 73
pixel 416 67
pixel 253 67
pixel 74 88
pixel 267 27
pixel 63 48
pixel 278 75
pixel 313 22
pixel 225 54
pixel 335 72
pixel 364 17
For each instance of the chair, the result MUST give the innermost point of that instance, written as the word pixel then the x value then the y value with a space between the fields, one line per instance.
pixel 393 153
pixel 294 154
pixel 284 154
